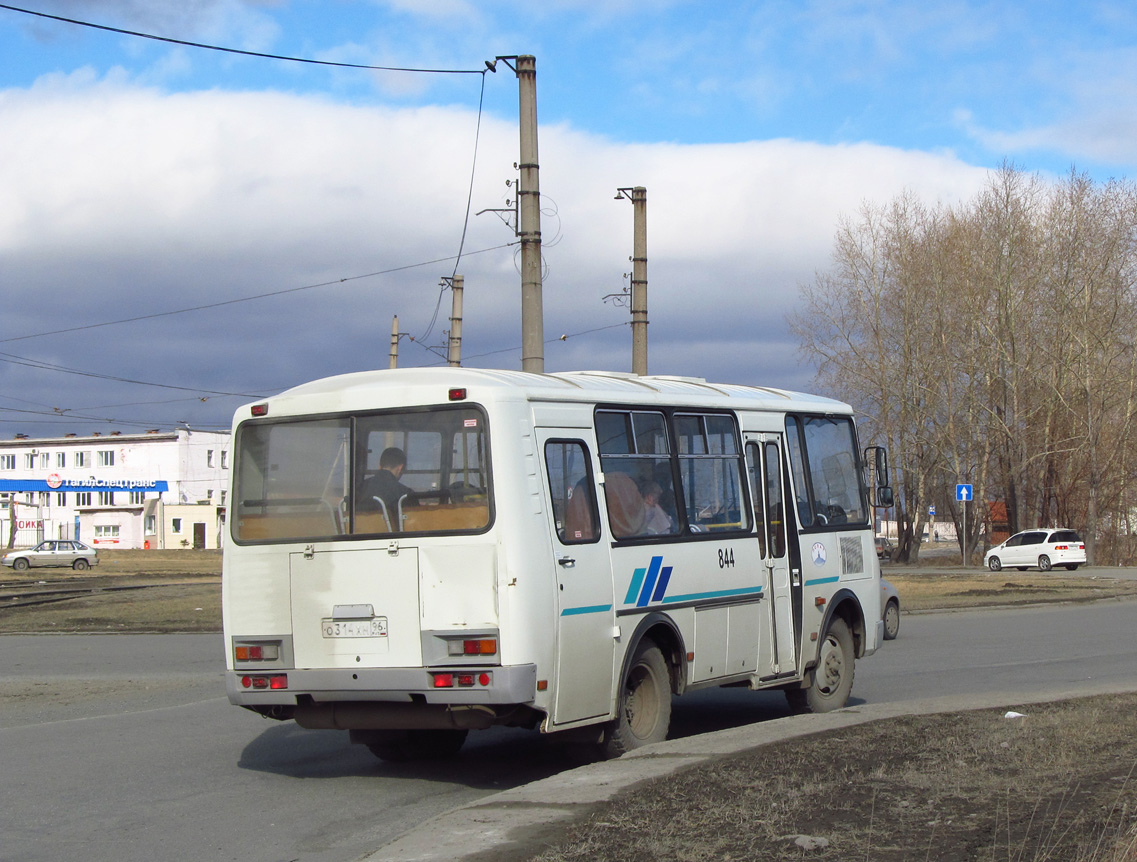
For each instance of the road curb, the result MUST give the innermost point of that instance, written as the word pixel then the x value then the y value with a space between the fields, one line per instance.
pixel 518 823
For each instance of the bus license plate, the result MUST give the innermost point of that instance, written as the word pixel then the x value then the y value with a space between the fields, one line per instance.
pixel 375 627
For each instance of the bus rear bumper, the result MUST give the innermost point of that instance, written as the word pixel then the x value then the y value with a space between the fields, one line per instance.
pixel 465 686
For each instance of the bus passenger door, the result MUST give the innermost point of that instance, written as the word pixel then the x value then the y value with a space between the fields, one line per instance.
pixel 764 460
pixel 585 614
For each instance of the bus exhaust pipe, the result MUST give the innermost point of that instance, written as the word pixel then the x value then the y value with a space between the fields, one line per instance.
pixel 393 716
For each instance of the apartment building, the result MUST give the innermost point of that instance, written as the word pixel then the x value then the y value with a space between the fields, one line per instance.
pixel 156 489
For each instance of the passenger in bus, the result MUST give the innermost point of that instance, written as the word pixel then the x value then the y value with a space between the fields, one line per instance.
pixel 580 518
pixel 656 521
pixel 385 485
pixel 626 510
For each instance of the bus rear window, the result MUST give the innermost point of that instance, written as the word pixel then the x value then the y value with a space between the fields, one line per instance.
pixel 415 471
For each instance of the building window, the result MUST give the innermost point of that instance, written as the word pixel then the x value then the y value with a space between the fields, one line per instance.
pixel 83 498
pixel 44 460
pixel 208 457
pixel 60 459
pixel 106 531
pixel 7 462
pixel 61 498
pixel 224 460
pixel 44 498
pixel 82 459
pixel 29 461
pixel 106 457
pixel 151 526
pixel 106 498
pixel 222 498
pixel 176 525
pixel 137 498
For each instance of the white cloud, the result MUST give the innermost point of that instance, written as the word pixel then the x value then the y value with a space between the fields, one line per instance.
pixel 122 201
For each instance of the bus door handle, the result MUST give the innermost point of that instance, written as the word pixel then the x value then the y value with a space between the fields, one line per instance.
pixel 567 561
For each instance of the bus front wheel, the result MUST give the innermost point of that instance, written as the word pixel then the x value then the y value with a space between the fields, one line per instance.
pixel 833 676
pixel 643 712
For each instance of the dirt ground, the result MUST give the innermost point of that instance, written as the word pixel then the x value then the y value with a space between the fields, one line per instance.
pixel 1056 783
pixel 128 591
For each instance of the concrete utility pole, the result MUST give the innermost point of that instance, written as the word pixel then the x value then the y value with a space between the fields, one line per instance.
pixel 394 342
pixel 638 197
pixel 529 219
pixel 454 356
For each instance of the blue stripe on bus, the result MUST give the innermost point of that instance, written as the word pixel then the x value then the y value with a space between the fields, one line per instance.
pixel 591 609
pixel 649 582
pixel 661 587
pixel 717 594
pixel 634 586
pixel 816 581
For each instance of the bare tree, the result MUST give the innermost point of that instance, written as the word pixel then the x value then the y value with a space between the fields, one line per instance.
pixel 991 343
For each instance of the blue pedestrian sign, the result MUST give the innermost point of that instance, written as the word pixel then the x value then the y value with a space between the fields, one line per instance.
pixel 963 493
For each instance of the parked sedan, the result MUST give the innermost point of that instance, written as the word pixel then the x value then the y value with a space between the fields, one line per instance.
pixel 890 609
pixel 1043 548
pixel 883 548
pixel 54 553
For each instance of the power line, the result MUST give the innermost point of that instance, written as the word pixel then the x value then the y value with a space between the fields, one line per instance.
pixel 564 337
pixel 268 295
pixel 63 369
pixel 207 47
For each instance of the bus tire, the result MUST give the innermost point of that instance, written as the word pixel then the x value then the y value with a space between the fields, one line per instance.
pixel 403 746
pixel 833 676
pixel 643 708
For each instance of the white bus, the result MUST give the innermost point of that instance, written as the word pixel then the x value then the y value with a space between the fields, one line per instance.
pixel 413 554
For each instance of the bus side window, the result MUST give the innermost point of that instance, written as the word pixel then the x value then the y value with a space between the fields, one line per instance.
pixel 571 491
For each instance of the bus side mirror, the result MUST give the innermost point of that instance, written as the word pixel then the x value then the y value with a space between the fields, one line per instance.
pixel 876 460
pixel 884 498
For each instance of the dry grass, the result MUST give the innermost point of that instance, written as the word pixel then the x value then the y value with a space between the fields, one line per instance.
pixel 929 589
pixel 1057 784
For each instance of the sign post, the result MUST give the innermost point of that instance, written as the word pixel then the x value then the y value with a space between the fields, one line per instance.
pixel 963 494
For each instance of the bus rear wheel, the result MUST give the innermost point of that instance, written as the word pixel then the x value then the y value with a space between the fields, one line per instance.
pixel 833 676
pixel 643 712
pixel 402 746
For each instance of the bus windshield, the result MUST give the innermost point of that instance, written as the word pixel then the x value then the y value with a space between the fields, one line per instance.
pixel 412 471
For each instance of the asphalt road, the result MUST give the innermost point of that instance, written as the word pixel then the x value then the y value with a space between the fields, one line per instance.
pixel 124 747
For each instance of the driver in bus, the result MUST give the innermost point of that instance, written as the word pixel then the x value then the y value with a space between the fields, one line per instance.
pixel 385 483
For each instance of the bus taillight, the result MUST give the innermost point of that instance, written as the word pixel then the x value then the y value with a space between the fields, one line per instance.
pixel 275 681
pixel 472 646
pixel 256 652
pixel 462 679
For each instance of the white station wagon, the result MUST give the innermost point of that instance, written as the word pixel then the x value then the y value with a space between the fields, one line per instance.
pixel 1043 548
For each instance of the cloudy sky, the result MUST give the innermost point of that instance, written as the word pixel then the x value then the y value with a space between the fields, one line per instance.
pixel 182 230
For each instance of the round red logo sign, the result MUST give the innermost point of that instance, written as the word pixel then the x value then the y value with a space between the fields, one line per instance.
pixel 54 481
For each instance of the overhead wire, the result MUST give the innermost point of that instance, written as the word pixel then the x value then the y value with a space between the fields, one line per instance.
pixel 267 295
pixel 466 221
pixel 243 52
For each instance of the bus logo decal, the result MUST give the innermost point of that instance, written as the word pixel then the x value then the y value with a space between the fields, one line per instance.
pixel 648 584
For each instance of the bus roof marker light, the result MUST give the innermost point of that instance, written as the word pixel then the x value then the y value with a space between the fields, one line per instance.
pixel 458 394
pixel 260 410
